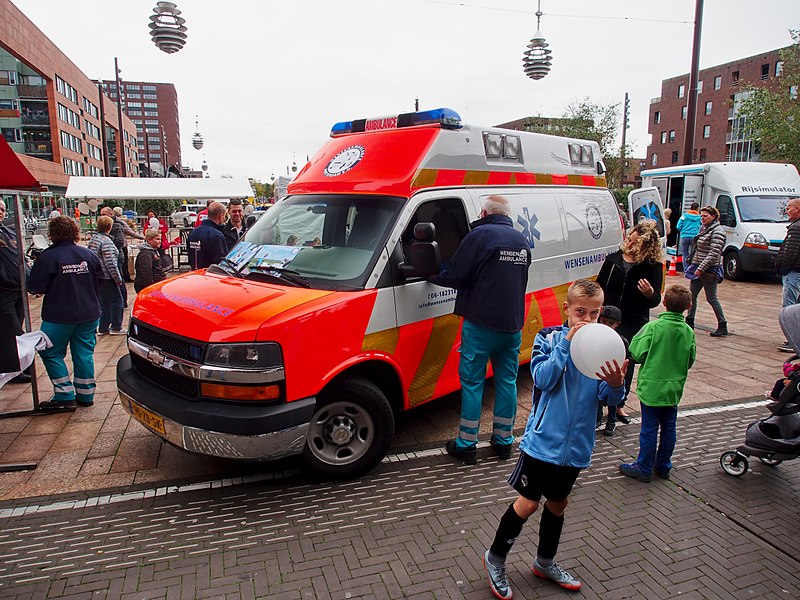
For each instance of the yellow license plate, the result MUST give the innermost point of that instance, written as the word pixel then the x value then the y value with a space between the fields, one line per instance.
pixel 145 417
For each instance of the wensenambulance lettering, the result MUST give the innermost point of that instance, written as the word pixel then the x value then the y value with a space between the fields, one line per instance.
pixel 582 261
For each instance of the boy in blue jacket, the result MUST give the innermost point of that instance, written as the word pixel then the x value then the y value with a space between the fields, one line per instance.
pixel 558 439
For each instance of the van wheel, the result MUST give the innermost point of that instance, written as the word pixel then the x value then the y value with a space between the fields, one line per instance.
pixel 350 431
pixel 733 266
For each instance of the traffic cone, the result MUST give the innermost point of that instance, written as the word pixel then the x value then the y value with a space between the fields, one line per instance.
pixel 673 270
pixel 679 266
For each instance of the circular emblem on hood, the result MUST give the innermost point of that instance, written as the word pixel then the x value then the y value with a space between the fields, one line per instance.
pixel 344 161
pixel 594 221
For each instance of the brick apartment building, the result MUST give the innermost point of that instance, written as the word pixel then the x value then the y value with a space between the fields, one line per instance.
pixel 720 133
pixel 54 116
pixel 153 108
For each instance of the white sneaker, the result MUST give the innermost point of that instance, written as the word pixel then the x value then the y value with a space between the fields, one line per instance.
pixel 118 332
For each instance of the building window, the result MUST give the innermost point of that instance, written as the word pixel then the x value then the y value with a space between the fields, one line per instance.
pixel 778 68
pixel 12 134
pixel 700 87
pixel 706 131
pixel 9 104
pixel 681 91
pixel 735 78
pixel 654 159
pixel 703 154
pixel 151 113
pixel 674 157
pixel 8 78
pixel 717 82
pixel 149 88
pixel 708 107
pixel 132 86
pixel 133 95
pixel 663 137
pixel 765 71
pixel 657 117
pixel 671 136
pixel 683 113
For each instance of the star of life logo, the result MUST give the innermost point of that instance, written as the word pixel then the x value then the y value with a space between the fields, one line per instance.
pixel 528 224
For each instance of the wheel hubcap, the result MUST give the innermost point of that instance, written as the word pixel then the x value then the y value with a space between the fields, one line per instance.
pixel 340 430
pixel 340 433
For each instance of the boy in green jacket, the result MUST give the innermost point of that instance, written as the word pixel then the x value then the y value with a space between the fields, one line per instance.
pixel 666 350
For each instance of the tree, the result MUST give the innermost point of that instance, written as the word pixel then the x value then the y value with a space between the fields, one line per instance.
pixel 588 121
pixel 774 115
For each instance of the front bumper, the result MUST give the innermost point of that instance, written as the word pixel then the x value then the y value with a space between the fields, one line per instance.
pixel 758 260
pixel 225 429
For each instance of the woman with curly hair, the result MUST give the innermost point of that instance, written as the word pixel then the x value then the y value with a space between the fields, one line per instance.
pixel 69 276
pixel 631 279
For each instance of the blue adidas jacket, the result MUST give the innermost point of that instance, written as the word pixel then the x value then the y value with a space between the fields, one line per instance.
pixel 207 245
pixel 68 275
pixel 490 271
pixel 561 427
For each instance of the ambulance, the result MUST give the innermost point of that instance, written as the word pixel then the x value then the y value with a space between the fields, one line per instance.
pixel 320 327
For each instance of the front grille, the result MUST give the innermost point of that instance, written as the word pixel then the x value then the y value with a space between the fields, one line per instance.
pixel 172 382
pixel 179 347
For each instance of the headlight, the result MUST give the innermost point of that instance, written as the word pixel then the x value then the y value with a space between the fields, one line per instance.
pixel 245 356
pixel 756 240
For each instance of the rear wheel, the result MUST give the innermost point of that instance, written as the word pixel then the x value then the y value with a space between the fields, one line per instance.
pixel 772 462
pixel 733 463
pixel 350 431
pixel 732 265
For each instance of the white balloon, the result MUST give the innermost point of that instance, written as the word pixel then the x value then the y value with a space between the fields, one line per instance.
pixel 154 224
pixel 593 345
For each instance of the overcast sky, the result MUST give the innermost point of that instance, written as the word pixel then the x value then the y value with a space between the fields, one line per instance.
pixel 267 79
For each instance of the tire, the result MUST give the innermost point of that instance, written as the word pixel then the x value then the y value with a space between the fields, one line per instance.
pixel 185 222
pixel 351 430
pixel 772 462
pixel 732 265
pixel 733 463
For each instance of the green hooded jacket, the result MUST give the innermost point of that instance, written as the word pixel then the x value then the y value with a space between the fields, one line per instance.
pixel 666 350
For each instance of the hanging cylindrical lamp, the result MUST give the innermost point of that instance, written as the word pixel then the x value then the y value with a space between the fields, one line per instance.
pixel 197 139
pixel 537 58
pixel 167 27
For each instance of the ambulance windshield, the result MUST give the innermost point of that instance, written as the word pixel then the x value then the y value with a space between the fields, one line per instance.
pixel 331 241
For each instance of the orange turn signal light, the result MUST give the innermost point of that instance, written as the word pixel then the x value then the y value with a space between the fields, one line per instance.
pixel 240 392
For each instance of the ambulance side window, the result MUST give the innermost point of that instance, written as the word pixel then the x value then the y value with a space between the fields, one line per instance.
pixel 450 220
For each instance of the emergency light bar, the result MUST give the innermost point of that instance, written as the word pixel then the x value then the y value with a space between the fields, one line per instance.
pixel 446 118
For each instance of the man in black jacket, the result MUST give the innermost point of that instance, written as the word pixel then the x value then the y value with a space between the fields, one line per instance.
pixel 489 270
pixel 206 243
pixel 235 228
pixel 10 285
pixel 787 263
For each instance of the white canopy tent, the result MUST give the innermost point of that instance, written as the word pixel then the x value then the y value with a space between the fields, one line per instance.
pixel 133 188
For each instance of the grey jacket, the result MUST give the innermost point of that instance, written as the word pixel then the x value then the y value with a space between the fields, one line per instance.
pixel 102 245
pixel 709 244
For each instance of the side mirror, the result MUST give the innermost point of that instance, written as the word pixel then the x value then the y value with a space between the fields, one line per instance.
pixel 423 254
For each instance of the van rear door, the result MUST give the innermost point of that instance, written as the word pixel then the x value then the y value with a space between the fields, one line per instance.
pixel 646 204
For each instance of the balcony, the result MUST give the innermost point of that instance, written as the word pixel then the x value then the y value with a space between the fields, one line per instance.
pixel 655 100
pixel 36 120
pixel 39 148
pixel 32 91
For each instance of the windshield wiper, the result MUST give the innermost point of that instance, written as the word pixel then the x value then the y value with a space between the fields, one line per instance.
pixel 228 267
pixel 282 274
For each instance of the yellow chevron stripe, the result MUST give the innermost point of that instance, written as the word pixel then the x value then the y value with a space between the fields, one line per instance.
pixel 381 341
pixel 424 178
pixel 443 336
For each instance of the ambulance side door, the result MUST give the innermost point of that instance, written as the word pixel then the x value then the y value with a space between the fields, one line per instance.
pixel 428 329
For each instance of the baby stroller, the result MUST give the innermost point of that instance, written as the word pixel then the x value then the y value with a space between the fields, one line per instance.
pixel 775 438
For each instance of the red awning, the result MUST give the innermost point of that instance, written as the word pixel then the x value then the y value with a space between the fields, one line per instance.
pixel 13 174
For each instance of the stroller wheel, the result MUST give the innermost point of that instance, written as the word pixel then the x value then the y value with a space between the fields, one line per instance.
pixel 772 462
pixel 733 463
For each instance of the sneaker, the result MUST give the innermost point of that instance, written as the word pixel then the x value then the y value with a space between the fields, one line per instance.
pixel 51 405
pixel 633 471
pixel 785 347
pixel 609 430
pixel 662 474
pixel 118 332
pixel 498 579
pixel 502 450
pixel 468 455
pixel 102 333
pixel 555 573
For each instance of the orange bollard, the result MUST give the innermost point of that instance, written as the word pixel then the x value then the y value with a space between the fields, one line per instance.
pixel 673 270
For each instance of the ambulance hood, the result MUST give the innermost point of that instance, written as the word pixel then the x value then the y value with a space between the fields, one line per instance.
pixel 213 308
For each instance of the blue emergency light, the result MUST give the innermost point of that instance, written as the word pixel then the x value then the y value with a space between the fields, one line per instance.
pixel 446 118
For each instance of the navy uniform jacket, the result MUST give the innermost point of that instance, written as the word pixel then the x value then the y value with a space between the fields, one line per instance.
pixel 490 272
pixel 68 275
pixel 207 245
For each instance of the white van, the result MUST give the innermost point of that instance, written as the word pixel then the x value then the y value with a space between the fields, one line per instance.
pixel 320 326
pixel 751 199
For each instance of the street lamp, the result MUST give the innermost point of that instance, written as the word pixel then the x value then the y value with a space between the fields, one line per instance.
pixel 121 166
pixel 537 58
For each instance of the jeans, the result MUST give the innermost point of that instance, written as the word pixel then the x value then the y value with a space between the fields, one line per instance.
pixel 81 340
pixel 654 417
pixel 478 346
pixel 791 288
pixel 708 282
pixel 683 246
pixel 110 306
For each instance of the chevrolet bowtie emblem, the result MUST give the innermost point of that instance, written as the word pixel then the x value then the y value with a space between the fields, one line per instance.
pixel 155 357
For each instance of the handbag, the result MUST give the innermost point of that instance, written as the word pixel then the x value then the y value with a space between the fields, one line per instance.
pixel 689 272
pixel 720 273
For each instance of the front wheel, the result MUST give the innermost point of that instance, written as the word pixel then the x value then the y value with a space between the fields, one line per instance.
pixel 351 430
pixel 732 266
pixel 733 463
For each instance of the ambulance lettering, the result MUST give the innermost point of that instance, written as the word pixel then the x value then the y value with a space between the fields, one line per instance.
pixel 582 261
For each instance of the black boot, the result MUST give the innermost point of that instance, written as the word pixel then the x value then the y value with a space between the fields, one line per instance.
pixel 690 322
pixel 722 329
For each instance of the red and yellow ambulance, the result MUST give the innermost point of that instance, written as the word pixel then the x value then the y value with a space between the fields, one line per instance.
pixel 319 327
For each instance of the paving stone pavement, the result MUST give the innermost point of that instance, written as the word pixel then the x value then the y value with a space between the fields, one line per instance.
pixel 416 528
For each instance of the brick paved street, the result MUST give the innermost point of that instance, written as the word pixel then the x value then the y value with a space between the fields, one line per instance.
pixel 416 527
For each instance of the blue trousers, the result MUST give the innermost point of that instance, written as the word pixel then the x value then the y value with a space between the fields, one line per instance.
pixel 478 347
pixel 653 418
pixel 684 245
pixel 81 339
pixel 111 310
pixel 791 288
